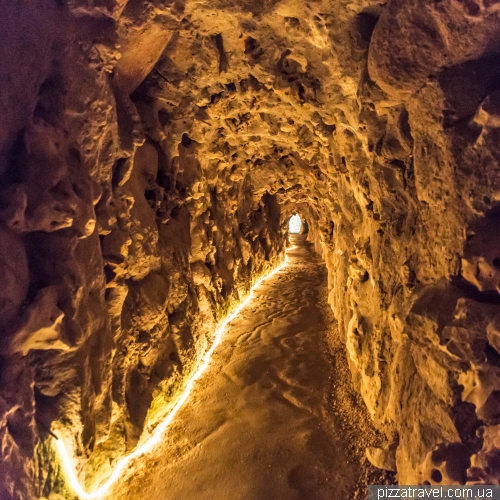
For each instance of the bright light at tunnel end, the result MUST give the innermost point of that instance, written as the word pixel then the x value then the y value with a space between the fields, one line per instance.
pixel 295 224
pixel 159 430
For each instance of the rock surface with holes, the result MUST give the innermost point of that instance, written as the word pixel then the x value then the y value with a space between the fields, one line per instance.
pixel 150 155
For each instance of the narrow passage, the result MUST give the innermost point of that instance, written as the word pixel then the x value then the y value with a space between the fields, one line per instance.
pixel 275 416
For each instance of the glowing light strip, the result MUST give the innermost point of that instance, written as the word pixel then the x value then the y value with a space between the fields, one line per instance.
pixel 155 437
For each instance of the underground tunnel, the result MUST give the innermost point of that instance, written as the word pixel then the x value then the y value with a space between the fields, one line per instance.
pixel 248 249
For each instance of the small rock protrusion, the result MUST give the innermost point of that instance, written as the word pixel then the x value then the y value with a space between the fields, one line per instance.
pixel 383 458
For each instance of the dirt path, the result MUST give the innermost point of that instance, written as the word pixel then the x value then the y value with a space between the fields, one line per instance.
pixel 275 417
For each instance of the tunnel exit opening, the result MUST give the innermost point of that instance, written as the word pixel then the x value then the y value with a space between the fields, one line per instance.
pixel 297 225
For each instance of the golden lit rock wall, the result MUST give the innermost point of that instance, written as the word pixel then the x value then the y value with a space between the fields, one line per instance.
pixel 119 249
pixel 150 153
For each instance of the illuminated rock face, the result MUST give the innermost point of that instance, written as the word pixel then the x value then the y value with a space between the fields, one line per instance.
pixel 151 154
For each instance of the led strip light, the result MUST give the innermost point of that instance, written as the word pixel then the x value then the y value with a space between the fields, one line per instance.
pixel 157 434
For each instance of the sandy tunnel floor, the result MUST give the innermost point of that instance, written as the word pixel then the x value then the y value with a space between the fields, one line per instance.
pixel 275 416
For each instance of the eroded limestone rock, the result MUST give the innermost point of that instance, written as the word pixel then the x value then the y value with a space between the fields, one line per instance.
pixel 42 326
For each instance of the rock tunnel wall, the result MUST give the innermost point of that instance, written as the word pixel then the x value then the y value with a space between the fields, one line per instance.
pixel 150 154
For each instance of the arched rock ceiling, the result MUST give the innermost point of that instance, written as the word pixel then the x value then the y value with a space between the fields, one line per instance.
pixel 260 91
